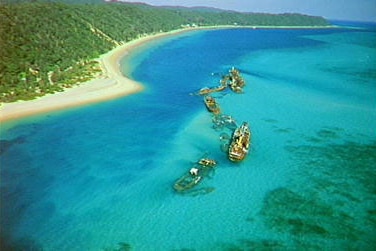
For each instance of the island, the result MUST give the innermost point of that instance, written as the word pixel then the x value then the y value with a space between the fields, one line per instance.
pixel 69 53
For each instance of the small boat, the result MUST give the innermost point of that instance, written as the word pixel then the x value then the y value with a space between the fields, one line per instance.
pixel 212 105
pixel 207 162
pixel 196 174
pixel 240 143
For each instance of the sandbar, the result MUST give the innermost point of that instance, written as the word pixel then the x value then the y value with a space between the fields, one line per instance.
pixel 113 84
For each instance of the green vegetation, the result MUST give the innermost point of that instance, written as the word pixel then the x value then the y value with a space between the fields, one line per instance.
pixel 48 46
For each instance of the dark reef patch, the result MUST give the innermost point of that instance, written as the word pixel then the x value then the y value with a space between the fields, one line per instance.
pixel 122 246
pixel 283 130
pixel 328 133
pixel 353 73
pixel 20 244
pixel 7 144
pixel 331 202
pixel 264 245
pixel 272 121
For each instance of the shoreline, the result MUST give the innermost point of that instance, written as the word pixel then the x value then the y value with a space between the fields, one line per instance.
pixel 113 85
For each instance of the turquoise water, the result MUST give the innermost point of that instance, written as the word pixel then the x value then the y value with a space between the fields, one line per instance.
pixel 100 177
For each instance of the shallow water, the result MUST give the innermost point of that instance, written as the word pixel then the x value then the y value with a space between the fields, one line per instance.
pixel 101 177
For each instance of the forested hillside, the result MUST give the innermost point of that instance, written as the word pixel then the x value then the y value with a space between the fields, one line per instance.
pixel 45 47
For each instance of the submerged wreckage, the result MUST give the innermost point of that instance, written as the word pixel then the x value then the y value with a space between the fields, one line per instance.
pixel 236 81
pixel 240 143
pixel 236 146
pixel 212 105
pixel 233 79
pixel 196 174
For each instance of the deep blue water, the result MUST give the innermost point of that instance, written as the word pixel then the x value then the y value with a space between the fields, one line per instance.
pixel 92 177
